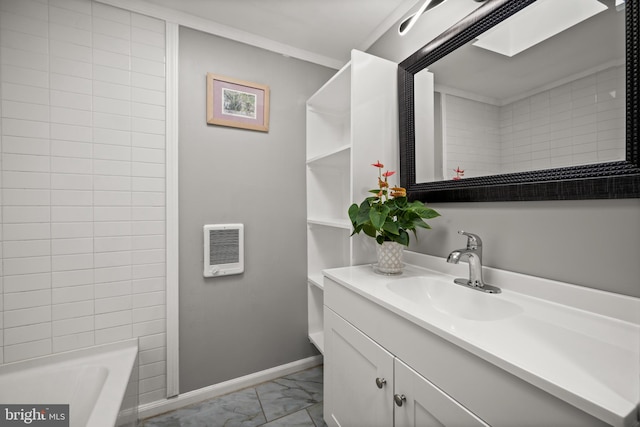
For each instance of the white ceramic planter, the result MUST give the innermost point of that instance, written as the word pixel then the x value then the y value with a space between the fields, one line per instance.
pixel 389 258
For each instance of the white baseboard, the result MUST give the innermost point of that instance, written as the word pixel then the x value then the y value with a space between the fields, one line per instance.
pixel 161 406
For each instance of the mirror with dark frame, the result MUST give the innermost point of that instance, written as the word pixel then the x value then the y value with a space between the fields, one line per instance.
pixel 612 172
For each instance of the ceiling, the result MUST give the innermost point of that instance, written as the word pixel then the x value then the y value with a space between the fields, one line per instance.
pixel 325 31
pixel 598 42
pixel 328 28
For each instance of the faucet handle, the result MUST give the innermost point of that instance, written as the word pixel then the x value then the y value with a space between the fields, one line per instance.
pixel 473 240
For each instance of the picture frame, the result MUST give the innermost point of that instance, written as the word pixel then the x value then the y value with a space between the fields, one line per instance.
pixel 237 103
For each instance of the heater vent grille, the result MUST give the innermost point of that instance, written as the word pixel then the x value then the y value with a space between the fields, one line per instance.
pixel 224 246
pixel 223 249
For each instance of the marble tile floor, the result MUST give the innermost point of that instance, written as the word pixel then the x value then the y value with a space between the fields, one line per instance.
pixel 294 400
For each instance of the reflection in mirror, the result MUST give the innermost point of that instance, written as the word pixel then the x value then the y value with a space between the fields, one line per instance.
pixel 492 108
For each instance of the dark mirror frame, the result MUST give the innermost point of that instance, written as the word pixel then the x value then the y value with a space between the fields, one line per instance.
pixel 612 180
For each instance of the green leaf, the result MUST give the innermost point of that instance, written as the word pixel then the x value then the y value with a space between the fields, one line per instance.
pixel 418 222
pixel 391 227
pixel 356 230
pixel 421 210
pixel 430 213
pixel 403 238
pixel 401 202
pixel 380 239
pixel 353 213
pixel 369 230
pixel 363 213
pixel 378 216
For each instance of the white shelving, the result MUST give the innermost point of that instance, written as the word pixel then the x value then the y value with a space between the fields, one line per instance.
pixel 351 123
pixel 328 188
pixel 328 155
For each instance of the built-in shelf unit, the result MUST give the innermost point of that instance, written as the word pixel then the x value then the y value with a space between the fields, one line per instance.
pixel 351 123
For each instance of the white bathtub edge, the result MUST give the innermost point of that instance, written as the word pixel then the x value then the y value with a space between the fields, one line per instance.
pixel 117 358
pixel 66 355
pixel 105 412
pixel 158 407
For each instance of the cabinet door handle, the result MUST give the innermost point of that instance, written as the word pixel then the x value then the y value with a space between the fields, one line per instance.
pixel 380 382
pixel 399 399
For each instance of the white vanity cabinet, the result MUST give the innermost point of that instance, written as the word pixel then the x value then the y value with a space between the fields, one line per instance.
pixel 365 385
pixel 358 377
pixel 442 383
pixel 424 404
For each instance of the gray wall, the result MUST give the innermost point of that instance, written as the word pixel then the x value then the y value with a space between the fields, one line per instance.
pixel 236 325
pixel 592 243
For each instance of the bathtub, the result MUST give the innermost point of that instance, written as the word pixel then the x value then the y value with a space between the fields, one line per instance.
pixel 91 381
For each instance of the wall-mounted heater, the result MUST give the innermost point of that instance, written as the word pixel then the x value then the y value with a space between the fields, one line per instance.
pixel 223 249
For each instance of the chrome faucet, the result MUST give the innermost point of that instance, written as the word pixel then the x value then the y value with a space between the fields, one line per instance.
pixel 473 254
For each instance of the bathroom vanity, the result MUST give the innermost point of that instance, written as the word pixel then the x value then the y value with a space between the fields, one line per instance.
pixel 418 350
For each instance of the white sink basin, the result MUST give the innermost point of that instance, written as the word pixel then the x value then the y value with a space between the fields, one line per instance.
pixel 454 300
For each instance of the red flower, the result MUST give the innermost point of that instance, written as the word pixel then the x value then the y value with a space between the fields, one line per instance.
pixel 387 174
pixel 378 164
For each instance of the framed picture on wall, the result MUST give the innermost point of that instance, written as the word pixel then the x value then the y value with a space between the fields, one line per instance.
pixel 237 103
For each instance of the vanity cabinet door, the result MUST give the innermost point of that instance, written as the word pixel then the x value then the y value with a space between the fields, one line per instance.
pixel 425 405
pixel 358 377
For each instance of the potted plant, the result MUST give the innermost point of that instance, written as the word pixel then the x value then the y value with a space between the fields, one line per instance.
pixel 387 216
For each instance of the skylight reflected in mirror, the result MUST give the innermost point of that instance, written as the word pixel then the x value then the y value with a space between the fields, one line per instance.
pixel 538 22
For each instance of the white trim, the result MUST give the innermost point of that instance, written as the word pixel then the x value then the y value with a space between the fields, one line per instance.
pixel 172 225
pixel 461 93
pixel 545 87
pixel 215 28
pixel 563 81
pixel 161 406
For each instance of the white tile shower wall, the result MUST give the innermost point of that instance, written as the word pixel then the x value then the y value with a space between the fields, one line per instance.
pixel 576 123
pixel 82 181
pixel 2 182
pixel 473 137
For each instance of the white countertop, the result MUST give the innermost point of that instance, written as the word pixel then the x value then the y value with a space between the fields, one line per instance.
pixel 586 358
